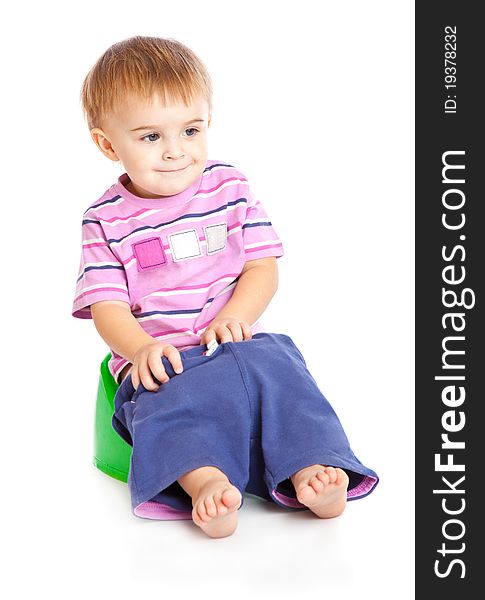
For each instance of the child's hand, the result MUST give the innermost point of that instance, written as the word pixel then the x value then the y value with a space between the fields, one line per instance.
pixel 226 330
pixel 147 364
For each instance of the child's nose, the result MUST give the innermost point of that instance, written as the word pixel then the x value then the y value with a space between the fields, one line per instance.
pixel 173 149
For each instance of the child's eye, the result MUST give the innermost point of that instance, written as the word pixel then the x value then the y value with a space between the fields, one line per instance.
pixel 191 131
pixel 151 137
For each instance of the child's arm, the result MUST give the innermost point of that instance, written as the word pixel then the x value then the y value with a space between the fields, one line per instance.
pixel 121 331
pixel 257 284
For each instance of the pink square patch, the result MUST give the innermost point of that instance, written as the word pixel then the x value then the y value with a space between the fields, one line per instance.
pixel 149 254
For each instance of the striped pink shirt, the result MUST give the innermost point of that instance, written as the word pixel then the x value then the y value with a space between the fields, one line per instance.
pixel 174 260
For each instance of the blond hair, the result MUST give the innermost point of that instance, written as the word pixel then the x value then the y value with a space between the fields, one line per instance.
pixel 143 66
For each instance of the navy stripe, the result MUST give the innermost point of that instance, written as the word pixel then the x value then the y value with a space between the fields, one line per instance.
pixel 189 311
pixel 180 219
pixel 265 224
pixel 110 201
pixel 234 202
pixel 168 312
pixel 99 269
pixel 207 169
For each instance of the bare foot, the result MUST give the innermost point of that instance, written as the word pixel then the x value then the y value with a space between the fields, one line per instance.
pixel 322 489
pixel 215 507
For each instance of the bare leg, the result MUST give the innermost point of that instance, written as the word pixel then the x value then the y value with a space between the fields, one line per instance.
pixel 322 489
pixel 214 499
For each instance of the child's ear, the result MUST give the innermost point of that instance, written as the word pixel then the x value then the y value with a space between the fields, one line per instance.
pixel 104 144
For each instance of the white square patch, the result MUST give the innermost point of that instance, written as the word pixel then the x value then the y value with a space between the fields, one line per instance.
pixel 184 245
pixel 216 236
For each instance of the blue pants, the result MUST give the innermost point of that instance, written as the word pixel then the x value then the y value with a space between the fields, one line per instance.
pixel 252 409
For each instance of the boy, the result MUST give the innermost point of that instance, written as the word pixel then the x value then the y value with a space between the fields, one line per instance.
pixel 179 262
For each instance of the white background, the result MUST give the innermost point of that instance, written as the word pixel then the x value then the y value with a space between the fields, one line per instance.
pixel 314 103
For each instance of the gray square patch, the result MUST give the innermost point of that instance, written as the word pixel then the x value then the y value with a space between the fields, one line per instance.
pixel 216 236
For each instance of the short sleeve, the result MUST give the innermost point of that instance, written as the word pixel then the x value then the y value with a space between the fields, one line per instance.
pixel 260 238
pixel 101 274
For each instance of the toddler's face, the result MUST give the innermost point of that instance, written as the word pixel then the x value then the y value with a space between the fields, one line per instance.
pixel 163 147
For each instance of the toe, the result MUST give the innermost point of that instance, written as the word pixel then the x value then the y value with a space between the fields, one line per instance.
pixel 341 477
pixel 195 517
pixel 323 477
pixel 316 484
pixel 231 498
pixel 210 506
pixel 199 515
pixel 220 506
pixel 332 474
pixel 306 494
pixel 201 509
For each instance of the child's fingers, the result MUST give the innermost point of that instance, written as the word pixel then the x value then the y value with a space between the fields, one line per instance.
pixel 173 356
pixel 135 380
pixel 156 367
pixel 236 331
pixel 207 337
pixel 224 333
pixel 246 329
pixel 230 332
pixel 146 378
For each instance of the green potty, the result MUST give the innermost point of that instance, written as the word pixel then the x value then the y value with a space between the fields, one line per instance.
pixel 111 453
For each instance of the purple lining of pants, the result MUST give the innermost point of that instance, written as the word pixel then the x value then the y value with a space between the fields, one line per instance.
pixel 163 512
pixel 286 500
pixel 363 488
